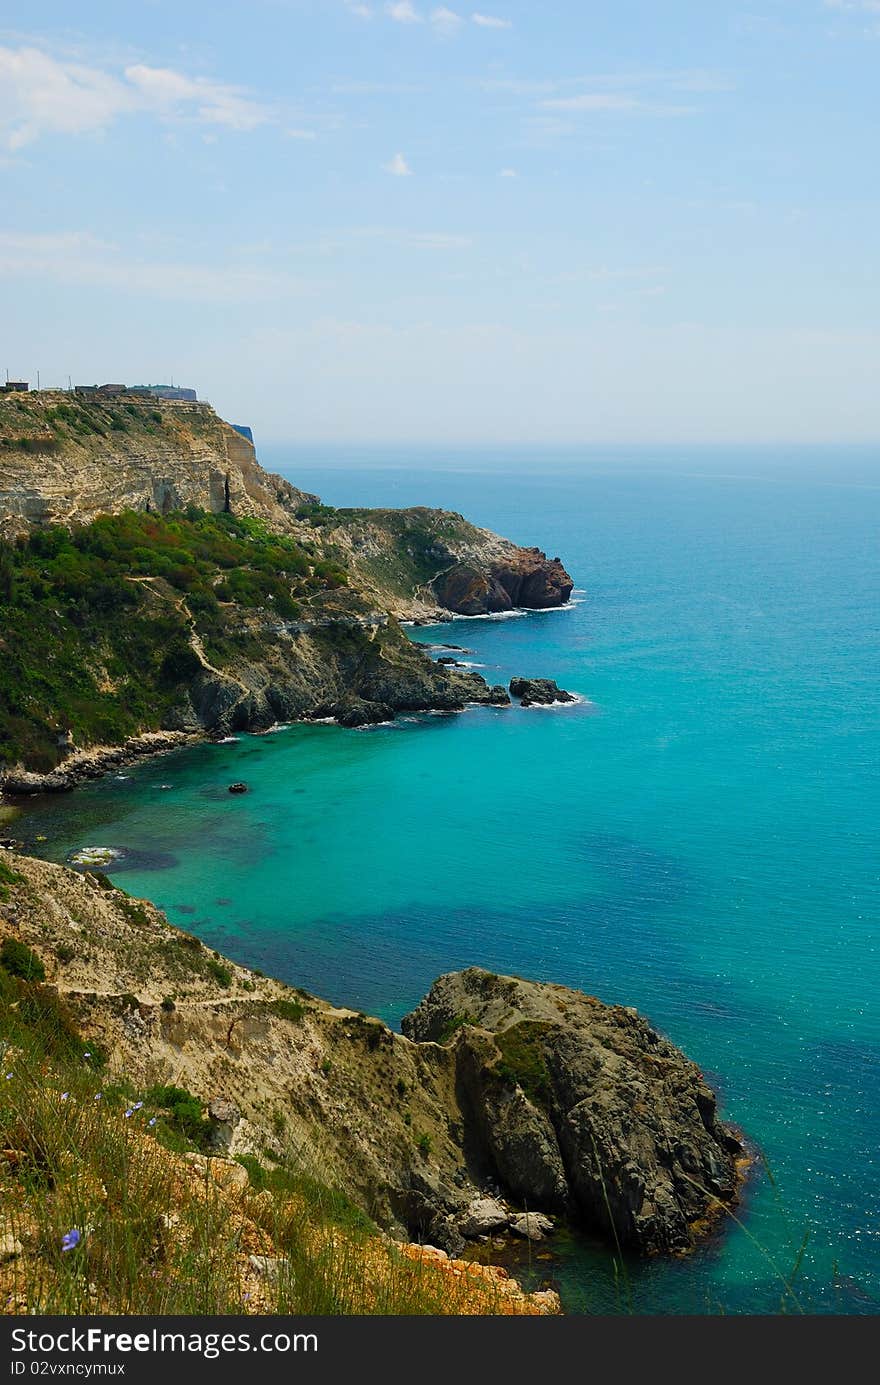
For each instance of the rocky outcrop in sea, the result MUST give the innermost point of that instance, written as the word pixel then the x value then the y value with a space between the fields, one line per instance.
pixel 584 1109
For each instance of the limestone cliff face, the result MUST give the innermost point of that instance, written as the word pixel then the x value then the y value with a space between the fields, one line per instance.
pixel 64 461
pixel 574 1107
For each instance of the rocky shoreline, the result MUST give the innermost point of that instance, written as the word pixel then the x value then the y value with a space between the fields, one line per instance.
pixel 93 763
pixel 84 765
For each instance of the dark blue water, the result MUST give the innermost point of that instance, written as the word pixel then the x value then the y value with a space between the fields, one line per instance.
pixel 697 838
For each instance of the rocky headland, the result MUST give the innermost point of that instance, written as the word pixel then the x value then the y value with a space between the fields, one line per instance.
pixel 155 579
pixel 504 1105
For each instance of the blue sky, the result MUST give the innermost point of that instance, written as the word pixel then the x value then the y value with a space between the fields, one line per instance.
pixel 613 220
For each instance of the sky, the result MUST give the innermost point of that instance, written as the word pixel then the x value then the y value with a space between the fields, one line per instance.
pixel 632 221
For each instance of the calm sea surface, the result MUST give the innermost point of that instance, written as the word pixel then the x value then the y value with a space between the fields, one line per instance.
pixel 698 838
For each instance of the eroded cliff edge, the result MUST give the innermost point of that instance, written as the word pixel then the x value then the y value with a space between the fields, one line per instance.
pixel 563 1104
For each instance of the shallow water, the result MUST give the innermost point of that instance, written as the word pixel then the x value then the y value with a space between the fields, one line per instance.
pixel 695 838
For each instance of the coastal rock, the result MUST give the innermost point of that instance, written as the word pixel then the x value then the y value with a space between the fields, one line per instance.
pixel 523 577
pixel 585 1108
pixel 363 713
pixel 539 692
pixel 531 1225
pixel 498 696
pixel 238 787
pixel 484 1215
pixel 22 782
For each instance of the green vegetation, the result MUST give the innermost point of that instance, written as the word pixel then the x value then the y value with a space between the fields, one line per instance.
pixel 7 877
pixel 182 1117
pixel 288 1010
pixel 18 959
pixel 95 623
pixel 217 972
pixel 452 1027
pixel 523 1060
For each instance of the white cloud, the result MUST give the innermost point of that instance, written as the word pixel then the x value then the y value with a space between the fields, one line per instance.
pixel 403 12
pixel 508 173
pixel 491 21
pixel 398 166
pixel 300 134
pixel 446 21
pixel 214 103
pixel 362 11
pixel 43 95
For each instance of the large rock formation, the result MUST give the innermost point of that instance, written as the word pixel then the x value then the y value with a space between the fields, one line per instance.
pixel 584 1108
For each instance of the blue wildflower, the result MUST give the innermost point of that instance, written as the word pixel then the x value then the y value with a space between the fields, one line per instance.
pixel 151 1121
pixel 71 1239
pixel 65 1095
pixel 137 1106
pixel 98 1095
pixel 128 1113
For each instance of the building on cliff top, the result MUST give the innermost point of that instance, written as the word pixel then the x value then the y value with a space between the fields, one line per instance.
pixel 16 387
pixel 139 392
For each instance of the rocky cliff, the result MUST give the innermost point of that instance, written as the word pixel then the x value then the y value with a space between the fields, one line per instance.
pixel 66 460
pixel 191 591
pixel 536 1098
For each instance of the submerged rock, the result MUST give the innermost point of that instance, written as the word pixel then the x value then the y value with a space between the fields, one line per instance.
pixel 539 692
pixel 583 1108
pixel 533 1226
pixel 238 787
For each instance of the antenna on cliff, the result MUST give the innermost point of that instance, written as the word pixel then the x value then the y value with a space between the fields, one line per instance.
pixel 69 383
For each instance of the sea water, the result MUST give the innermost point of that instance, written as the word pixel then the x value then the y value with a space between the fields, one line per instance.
pixel 695 837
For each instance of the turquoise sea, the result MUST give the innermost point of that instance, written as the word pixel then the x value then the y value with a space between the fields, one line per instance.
pixel 698 838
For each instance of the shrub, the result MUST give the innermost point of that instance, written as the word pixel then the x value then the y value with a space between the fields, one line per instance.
pixel 423 1144
pixel 522 1060
pixel 19 960
pixel 184 1112
pixel 288 1010
pixel 222 975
